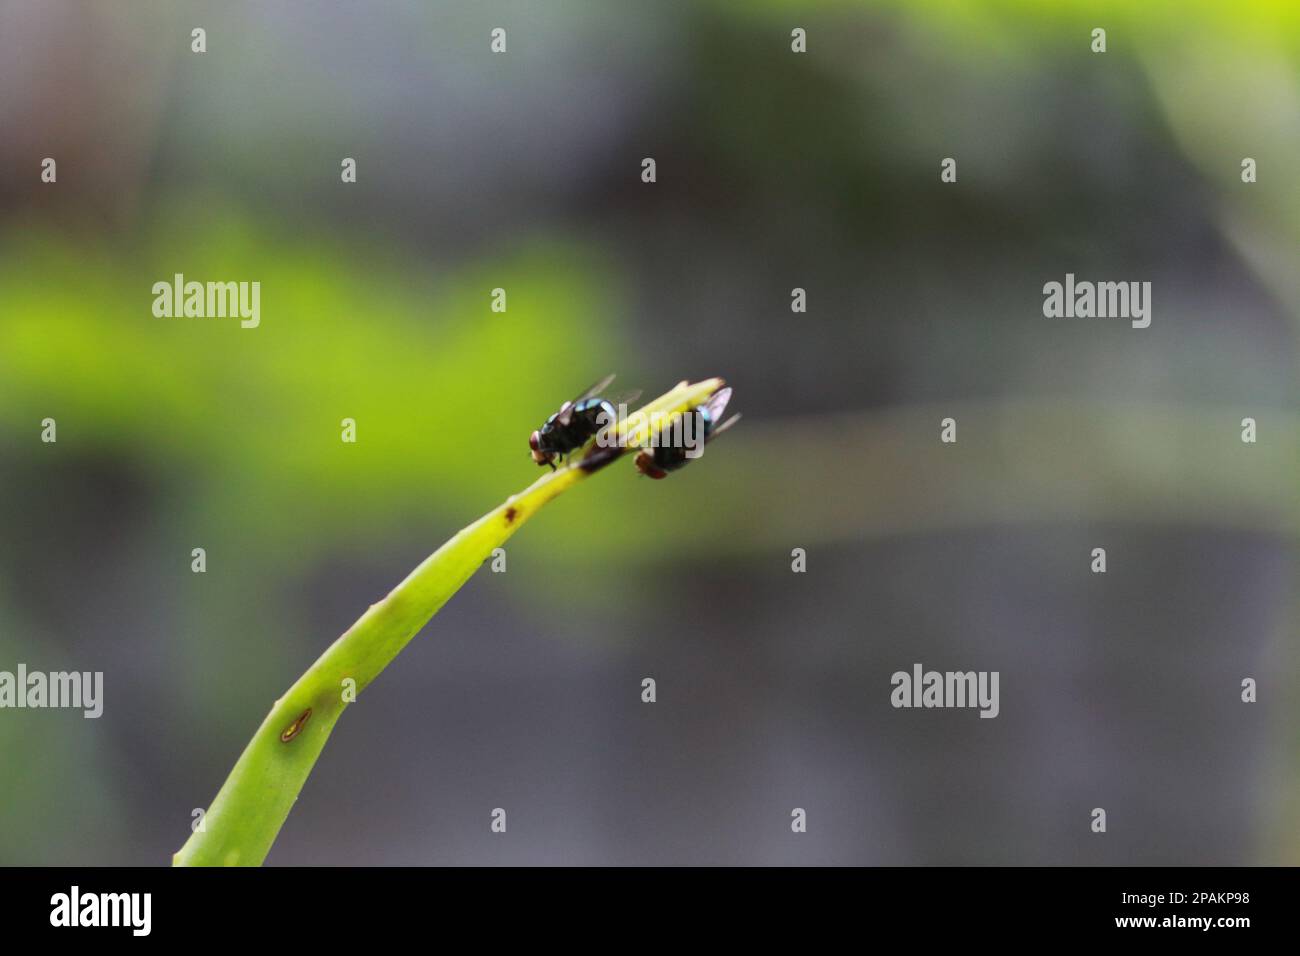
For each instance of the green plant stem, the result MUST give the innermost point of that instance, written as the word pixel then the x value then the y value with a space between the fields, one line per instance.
pixel 252 805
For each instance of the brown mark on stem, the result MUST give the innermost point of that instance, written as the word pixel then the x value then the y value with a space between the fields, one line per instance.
pixel 295 728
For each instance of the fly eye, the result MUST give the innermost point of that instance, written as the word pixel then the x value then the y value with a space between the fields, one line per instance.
pixel 532 441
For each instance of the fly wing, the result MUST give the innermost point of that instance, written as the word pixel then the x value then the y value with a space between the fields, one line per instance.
pixel 722 428
pixel 566 412
pixel 595 389
pixel 717 404
pixel 625 397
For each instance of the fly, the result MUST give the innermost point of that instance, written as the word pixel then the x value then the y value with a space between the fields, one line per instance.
pixel 575 423
pixel 701 423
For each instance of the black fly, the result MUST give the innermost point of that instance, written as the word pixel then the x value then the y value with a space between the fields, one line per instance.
pixel 575 423
pixel 690 432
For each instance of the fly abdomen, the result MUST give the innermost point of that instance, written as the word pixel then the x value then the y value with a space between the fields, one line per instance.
pixel 589 417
